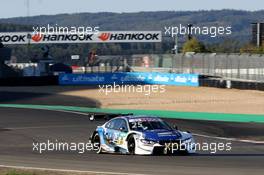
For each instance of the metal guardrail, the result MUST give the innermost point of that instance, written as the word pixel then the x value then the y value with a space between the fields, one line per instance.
pixel 233 66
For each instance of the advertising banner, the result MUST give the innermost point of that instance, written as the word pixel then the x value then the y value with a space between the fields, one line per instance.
pixel 129 78
pixel 98 37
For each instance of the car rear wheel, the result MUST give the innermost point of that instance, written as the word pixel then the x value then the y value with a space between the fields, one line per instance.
pixel 131 144
pixel 97 144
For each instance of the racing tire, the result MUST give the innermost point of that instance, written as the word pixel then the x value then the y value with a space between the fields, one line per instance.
pixel 131 144
pixel 96 142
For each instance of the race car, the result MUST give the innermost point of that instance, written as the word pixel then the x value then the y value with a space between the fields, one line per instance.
pixel 141 135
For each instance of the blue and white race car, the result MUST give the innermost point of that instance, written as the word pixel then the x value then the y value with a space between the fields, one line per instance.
pixel 141 135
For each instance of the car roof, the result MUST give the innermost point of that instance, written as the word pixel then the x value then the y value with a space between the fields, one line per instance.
pixel 138 116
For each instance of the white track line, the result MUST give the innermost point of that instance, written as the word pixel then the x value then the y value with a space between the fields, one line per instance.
pixel 65 170
pixel 44 127
pixel 72 112
pixel 200 135
pixel 230 139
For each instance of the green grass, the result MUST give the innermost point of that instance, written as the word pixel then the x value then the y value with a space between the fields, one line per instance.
pixel 161 113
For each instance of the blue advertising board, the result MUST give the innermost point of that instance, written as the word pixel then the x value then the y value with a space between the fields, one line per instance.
pixel 129 78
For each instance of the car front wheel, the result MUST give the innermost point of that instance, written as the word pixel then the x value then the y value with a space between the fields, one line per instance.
pixel 97 144
pixel 131 144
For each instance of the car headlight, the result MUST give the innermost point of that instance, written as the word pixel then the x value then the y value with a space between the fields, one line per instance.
pixel 147 142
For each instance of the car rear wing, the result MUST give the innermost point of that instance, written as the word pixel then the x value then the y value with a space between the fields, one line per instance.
pixel 104 116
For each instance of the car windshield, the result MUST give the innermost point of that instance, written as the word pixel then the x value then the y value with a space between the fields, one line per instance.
pixel 148 124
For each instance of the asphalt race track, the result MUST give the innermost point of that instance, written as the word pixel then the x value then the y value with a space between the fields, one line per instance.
pixel 19 128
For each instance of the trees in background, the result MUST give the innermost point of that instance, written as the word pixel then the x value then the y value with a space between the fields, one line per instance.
pixel 193 45
pixel 250 48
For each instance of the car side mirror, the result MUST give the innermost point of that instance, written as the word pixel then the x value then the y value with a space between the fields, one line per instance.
pixel 175 127
pixel 122 129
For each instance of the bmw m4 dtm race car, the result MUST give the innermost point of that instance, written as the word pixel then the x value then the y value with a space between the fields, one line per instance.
pixel 141 135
